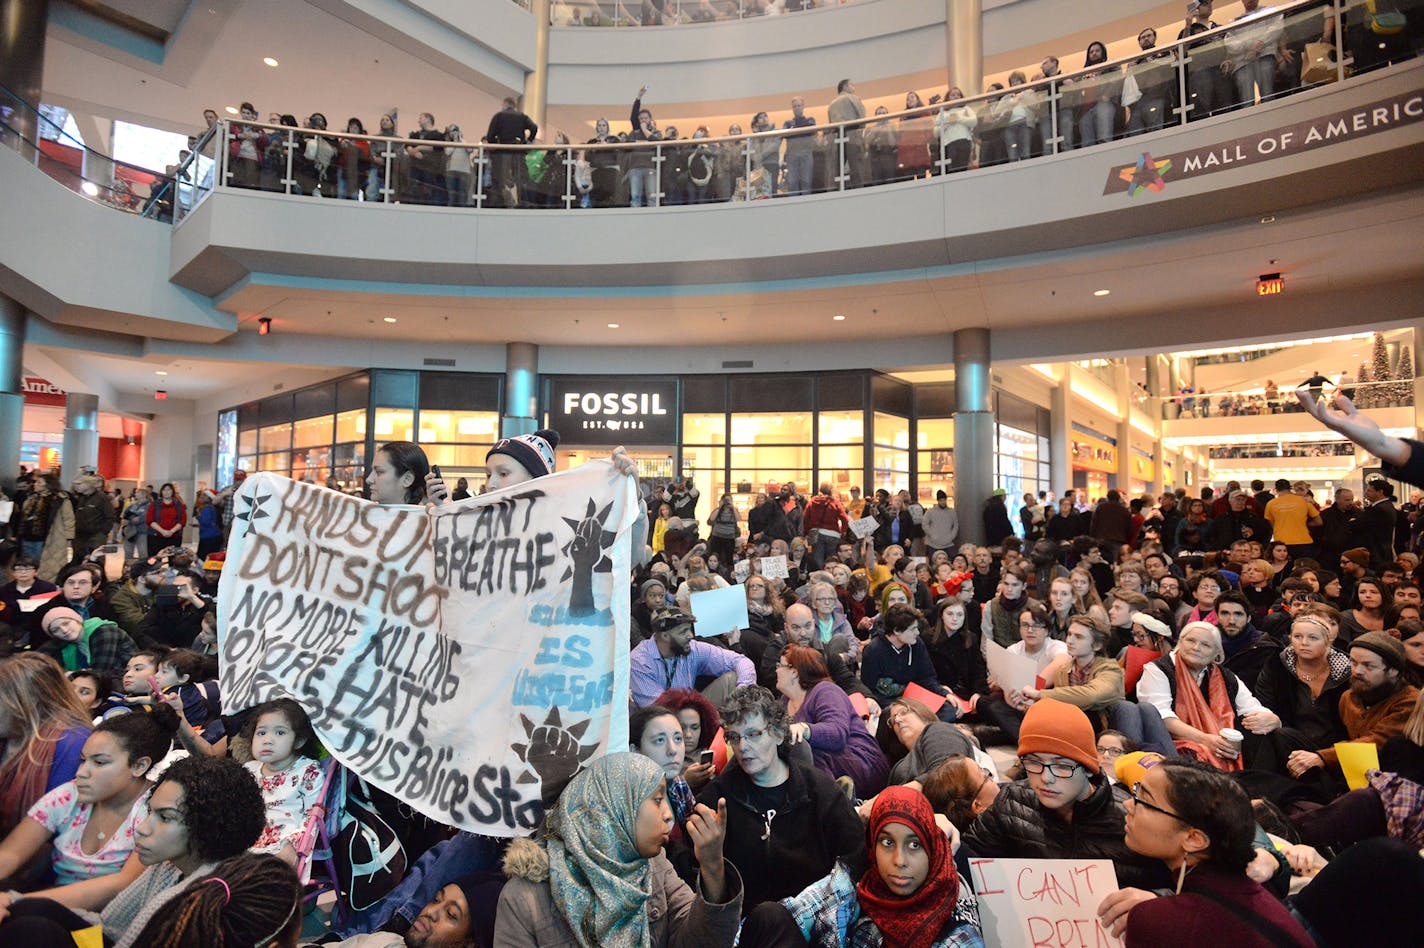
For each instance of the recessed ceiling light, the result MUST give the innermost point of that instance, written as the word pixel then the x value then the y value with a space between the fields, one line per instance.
pixel 390 319
pixel 230 110
pixel 90 188
pixel 1101 292
pixel 270 61
pixel 160 372
pixel 839 318
pixel 612 325
pixel 1268 219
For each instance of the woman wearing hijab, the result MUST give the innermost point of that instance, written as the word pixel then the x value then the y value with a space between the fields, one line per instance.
pixel 909 897
pixel 600 880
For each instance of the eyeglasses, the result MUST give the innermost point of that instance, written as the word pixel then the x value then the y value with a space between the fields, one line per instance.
pixel 1111 752
pixel 1058 768
pixel 782 665
pixel 754 735
pixel 1138 801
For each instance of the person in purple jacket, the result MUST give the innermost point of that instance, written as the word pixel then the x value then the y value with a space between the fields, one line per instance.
pixel 821 715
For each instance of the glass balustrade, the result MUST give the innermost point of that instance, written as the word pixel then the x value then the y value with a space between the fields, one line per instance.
pixel 1281 399
pixel 1302 45
pixel 629 13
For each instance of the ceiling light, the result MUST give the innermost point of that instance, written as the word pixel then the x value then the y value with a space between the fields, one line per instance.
pixel 230 110
pixel 264 326
pixel 1268 219
pixel 160 372
pixel 270 61
pixel 612 325
pixel 1101 292
pixel 840 318
pixel 390 319
pixel 90 188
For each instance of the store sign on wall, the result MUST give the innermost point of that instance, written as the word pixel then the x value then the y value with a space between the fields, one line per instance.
pixel 41 392
pixel 613 411
pixel 1155 172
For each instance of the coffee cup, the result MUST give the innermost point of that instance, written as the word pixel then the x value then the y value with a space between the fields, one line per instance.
pixel 1234 738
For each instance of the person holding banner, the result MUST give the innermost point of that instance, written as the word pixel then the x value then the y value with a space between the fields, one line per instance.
pixel 1198 823
pixel 1065 809
pixel 910 895
pixel 600 878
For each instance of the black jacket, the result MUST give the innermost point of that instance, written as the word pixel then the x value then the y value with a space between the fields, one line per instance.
pixel 1336 533
pixel 1247 663
pixel 959 667
pixel 1412 471
pixel 1317 720
pixel 1374 531
pixel 799 844
pixel 1017 826
pixel 767 521
pixel 1230 527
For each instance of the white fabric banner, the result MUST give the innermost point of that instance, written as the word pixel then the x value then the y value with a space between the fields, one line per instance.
pixel 459 657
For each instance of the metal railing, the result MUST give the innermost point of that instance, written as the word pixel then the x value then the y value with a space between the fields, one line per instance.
pixel 1173 85
pixel 1395 393
pixel 577 14
pixel 98 177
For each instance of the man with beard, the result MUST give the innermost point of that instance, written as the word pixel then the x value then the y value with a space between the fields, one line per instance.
pixel 671 659
pixel 1373 710
pixel 801 630
pixel 986 575
pixel 460 916
pixel 1247 648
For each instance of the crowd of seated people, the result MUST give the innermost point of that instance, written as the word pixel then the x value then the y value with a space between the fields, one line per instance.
pixel 671 164
pixel 821 777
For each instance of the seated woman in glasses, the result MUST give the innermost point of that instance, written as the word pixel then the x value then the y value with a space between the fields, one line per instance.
pixel 787 824
pixel 1198 823
pixel 1064 809
pixel 822 716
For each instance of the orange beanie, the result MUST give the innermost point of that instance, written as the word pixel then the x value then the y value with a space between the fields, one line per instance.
pixel 1056 727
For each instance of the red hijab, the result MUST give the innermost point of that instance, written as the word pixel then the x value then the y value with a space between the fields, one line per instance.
pixel 917 920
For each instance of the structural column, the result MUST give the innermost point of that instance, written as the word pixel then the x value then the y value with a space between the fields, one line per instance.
pixel 973 432
pixel 964 42
pixel 521 398
pixel 12 394
pixel 1122 385
pixel 81 434
pixel 1060 435
pixel 536 81
pixel 22 53
pixel 1416 357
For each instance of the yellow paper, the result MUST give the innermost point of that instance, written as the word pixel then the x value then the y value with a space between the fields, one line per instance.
pixel 1355 759
pixel 91 937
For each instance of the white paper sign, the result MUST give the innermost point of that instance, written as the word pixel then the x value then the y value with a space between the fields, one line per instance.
pixel 864 527
pixel 1025 903
pixel 774 567
pixel 720 610
pixel 1012 672
pixel 462 658
pixel 741 570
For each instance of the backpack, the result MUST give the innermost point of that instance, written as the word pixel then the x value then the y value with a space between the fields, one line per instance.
pixel 366 851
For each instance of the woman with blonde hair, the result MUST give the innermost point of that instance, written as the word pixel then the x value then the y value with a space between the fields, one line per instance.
pixel 42 732
pixel 1085 594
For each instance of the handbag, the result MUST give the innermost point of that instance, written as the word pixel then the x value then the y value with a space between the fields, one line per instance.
pixel 367 852
pixel 1384 22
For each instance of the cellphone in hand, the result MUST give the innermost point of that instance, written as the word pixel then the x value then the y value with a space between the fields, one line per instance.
pixel 705 757
pixel 435 469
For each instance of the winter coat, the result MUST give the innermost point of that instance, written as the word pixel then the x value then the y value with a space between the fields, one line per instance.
pixel 1017 826
pixel 1316 720
pixel 676 915
pixel 55 554
pixel 1247 663
pixel 781 853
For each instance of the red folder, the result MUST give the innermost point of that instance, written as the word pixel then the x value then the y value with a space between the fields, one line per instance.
pixel 926 697
pixel 857 701
pixel 1137 659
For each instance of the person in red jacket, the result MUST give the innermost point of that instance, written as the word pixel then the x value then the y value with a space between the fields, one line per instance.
pixel 166 519
pixel 825 523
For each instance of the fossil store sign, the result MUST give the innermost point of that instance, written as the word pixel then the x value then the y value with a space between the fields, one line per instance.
pixel 614 410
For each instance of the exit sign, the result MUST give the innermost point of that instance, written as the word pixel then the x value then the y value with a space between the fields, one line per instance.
pixel 1270 284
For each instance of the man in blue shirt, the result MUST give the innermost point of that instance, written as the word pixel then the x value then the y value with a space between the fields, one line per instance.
pixel 672 659
pixel 800 149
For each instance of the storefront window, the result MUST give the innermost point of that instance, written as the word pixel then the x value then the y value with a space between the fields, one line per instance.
pixel 707 468
pixel 771 428
pixel 312 432
pixel 275 438
pixel 459 427
pixel 350 466
pixel 395 424
pixel 704 428
pixel 247 441
pixel 1016 466
pixel 842 427
pixel 892 453
pixel 351 425
pixel 934 441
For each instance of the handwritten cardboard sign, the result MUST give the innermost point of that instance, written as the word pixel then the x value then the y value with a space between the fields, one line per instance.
pixel 774 567
pixel 864 527
pixel 466 658
pixel 1037 903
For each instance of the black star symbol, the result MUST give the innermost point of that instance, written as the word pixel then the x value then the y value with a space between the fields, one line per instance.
pixel 254 509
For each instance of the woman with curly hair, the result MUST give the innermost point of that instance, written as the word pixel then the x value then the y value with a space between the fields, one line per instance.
pixel 700 725
pixel 203 810
pixel 249 899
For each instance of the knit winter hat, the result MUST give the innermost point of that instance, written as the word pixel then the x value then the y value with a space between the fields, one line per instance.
pixel 1382 644
pixel 534 452
pixel 1059 728
pixel 63 612
pixel 1359 556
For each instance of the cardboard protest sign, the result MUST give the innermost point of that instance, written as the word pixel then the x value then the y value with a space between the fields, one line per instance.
pixel 719 611
pixel 741 570
pixel 1038 902
pixel 463 658
pixel 1012 671
pixel 864 527
pixel 774 567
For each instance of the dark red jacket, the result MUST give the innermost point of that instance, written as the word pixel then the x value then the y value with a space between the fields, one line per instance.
pixel 824 513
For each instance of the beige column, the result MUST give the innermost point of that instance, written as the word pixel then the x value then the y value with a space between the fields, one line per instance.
pixel 536 82
pixel 964 43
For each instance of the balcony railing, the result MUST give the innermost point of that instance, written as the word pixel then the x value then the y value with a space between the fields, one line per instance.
pixel 624 13
pixel 1398 393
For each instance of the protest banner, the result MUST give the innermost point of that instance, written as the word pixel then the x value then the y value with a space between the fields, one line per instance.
pixel 1038 903
pixel 466 658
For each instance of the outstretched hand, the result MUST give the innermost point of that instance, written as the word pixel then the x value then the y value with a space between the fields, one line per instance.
pixel 1346 419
